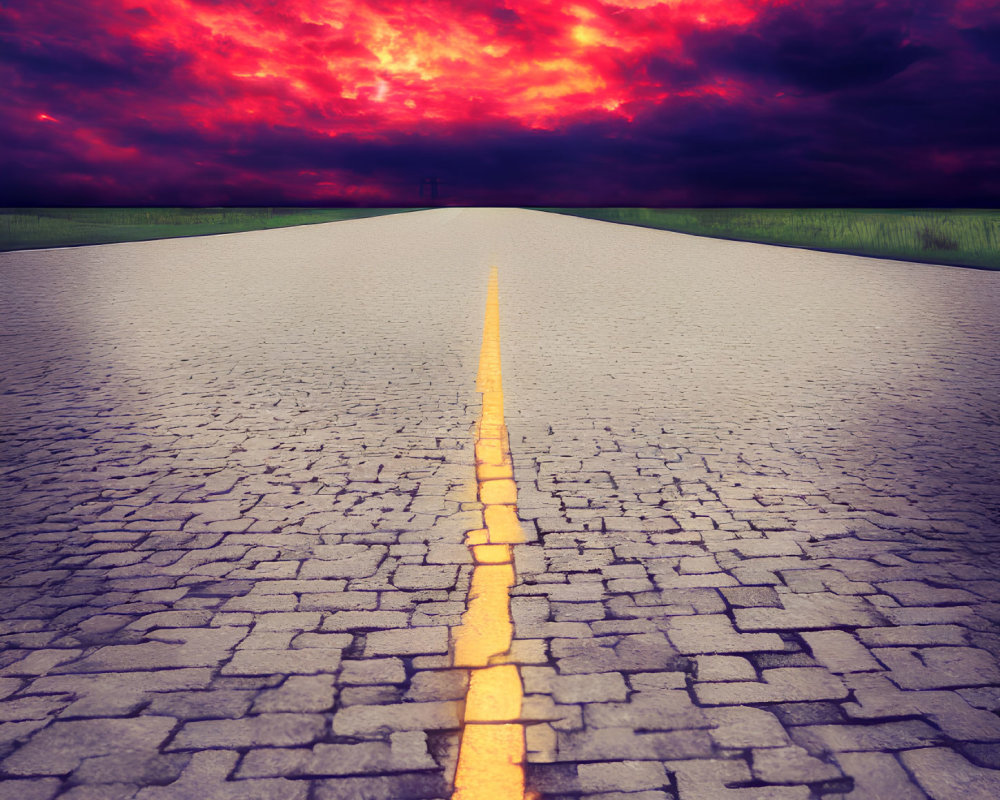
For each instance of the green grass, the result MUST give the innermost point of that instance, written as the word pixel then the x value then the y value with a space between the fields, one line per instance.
pixel 959 237
pixel 30 228
pixel 969 238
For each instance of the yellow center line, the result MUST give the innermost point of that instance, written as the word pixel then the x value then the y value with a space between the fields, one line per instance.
pixel 491 755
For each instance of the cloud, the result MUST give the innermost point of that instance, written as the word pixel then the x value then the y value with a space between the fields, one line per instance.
pixel 986 40
pixel 634 102
pixel 815 46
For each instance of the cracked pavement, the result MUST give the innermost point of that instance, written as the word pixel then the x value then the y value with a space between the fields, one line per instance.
pixel 758 485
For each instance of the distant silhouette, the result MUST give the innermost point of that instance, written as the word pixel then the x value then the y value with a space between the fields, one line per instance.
pixel 432 184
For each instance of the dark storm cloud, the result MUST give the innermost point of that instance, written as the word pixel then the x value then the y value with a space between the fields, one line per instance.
pixel 817 103
pixel 504 16
pixel 986 40
pixel 818 47
pixel 118 64
pixel 674 73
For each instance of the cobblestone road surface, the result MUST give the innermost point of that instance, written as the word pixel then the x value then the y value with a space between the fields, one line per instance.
pixel 759 483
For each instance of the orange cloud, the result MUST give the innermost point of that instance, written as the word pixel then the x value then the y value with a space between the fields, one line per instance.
pixel 339 66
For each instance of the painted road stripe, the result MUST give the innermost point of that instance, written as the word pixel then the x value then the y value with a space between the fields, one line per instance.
pixel 491 755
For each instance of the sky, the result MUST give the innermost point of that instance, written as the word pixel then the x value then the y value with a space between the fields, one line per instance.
pixel 672 103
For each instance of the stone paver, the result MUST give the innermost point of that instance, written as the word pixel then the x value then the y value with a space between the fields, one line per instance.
pixel 237 475
pixel 783 461
pixel 757 485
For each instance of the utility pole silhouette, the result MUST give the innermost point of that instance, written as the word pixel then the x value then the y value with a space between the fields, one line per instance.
pixel 431 184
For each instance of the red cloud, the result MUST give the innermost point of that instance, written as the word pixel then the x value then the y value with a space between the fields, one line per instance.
pixel 631 101
pixel 344 66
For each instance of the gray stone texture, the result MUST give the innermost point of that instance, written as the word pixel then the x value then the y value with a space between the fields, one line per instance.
pixel 791 457
pixel 758 484
pixel 227 463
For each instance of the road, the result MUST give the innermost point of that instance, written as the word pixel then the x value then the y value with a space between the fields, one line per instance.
pixel 757 486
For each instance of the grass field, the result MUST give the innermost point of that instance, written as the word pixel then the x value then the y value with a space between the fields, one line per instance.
pixel 30 228
pixel 969 238
pixel 960 237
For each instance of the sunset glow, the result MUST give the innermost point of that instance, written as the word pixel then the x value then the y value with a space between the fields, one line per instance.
pixel 249 96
